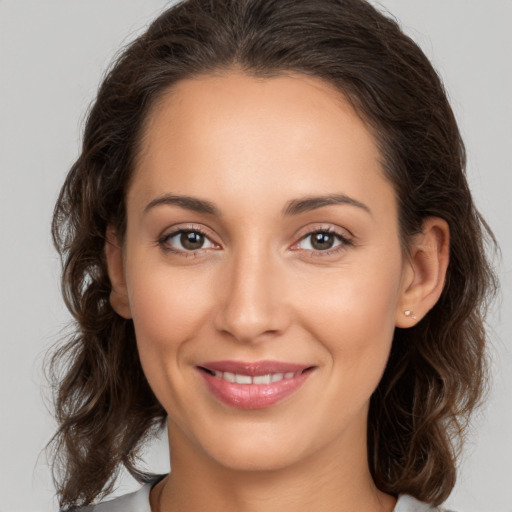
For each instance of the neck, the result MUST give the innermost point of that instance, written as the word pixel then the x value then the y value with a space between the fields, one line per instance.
pixel 320 482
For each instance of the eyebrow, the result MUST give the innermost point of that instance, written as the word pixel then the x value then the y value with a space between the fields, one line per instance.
pixel 293 207
pixel 187 202
pixel 305 204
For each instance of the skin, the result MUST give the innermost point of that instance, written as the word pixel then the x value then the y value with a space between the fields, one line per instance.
pixel 257 289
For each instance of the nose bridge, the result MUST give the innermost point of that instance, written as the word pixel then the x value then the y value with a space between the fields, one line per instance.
pixel 251 304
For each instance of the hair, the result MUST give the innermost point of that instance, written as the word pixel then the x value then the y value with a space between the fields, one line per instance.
pixel 436 371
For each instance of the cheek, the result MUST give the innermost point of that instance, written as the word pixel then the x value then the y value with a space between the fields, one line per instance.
pixel 352 311
pixel 167 308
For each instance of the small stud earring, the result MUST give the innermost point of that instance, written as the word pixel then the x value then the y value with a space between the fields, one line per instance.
pixel 410 314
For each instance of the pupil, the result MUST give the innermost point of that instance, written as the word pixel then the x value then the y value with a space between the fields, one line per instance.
pixel 322 241
pixel 192 240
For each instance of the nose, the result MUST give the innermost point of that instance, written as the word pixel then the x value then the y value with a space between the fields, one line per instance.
pixel 252 296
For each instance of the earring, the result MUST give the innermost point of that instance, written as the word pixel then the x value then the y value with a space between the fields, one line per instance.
pixel 409 313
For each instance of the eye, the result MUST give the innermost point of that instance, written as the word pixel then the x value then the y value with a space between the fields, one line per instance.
pixel 186 240
pixel 325 241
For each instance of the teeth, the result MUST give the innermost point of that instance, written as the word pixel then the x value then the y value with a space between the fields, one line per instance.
pixel 230 377
pixel 262 379
pixel 243 379
pixel 257 379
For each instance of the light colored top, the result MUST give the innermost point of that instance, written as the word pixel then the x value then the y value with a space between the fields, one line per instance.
pixel 139 502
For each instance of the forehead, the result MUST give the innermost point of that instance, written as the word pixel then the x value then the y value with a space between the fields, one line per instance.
pixel 233 132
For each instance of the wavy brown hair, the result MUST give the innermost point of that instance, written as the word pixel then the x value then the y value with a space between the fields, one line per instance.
pixel 436 370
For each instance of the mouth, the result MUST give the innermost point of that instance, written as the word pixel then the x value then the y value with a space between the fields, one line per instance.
pixel 244 379
pixel 253 385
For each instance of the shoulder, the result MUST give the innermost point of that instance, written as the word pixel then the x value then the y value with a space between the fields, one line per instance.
pixel 137 501
pixel 407 503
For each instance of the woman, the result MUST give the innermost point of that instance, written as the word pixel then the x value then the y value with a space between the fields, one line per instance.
pixel 269 246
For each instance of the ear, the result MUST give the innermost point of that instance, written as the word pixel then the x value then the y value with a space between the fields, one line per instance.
pixel 424 272
pixel 115 266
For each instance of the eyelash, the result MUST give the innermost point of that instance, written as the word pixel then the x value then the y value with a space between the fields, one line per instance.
pixel 162 242
pixel 344 242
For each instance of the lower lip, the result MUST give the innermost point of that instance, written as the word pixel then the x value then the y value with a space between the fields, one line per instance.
pixel 253 396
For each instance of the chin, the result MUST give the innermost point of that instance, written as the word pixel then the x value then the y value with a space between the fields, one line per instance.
pixel 245 458
pixel 258 449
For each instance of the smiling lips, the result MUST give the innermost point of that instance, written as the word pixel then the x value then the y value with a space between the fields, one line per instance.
pixel 253 385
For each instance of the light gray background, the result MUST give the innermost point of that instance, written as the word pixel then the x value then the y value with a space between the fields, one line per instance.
pixel 52 55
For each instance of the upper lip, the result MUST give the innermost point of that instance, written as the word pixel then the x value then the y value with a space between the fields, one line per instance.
pixel 254 368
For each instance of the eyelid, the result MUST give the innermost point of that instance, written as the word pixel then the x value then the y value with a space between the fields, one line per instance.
pixel 329 228
pixel 343 239
pixel 172 232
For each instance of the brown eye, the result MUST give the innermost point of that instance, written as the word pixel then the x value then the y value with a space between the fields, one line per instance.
pixel 186 240
pixel 322 240
pixel 191 240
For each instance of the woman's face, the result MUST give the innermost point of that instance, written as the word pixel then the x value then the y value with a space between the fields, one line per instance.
pixel 262 247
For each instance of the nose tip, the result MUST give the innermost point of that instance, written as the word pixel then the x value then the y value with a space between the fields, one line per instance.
pixel 251 305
